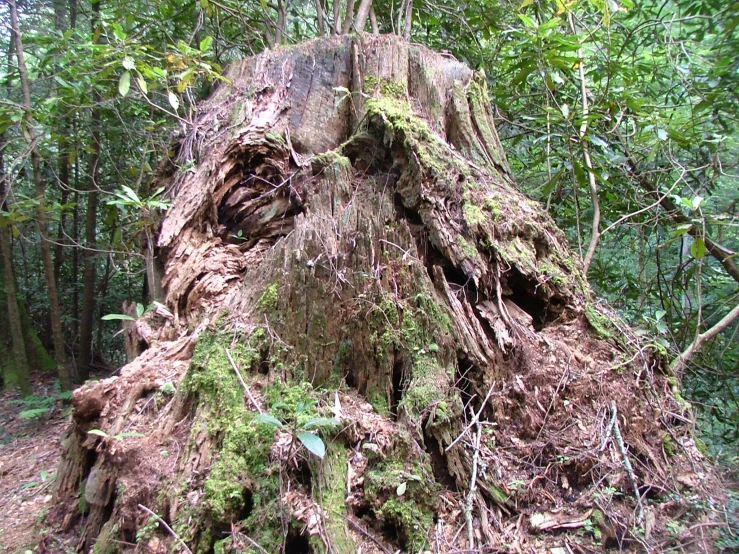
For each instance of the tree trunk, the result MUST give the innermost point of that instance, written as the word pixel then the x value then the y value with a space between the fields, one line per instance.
pixel 16 371
pixel 60 355
pixel 89 297
pixel 366 257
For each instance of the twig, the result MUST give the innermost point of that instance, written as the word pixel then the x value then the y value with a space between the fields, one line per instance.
pixel 365 533
pixel 248 539
pixel 627 462
pixel 241 380
pixel 473 482
pixel 475 419
pixel 679 363
pixel 167 527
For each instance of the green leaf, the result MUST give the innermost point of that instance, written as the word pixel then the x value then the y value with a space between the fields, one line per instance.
pixel 117 317
pixel 661 134
pixel 313 443
pixel 319 422
pixel 527 21
pixel 205 43
pixel 128 62
pixel 124 84
pixel 270 420
pixel 401 488
pixel 698 248
pixel 139 309
pixel 98 432
pixel 142 84
pixel 173 101
pixel 128 434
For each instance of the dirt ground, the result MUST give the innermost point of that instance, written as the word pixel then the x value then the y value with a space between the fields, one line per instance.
pixel 29 455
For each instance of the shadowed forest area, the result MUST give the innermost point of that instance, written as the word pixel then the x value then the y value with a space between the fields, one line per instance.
pixel 366 276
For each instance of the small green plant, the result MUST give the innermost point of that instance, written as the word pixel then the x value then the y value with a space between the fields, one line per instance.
pixel 400 491
pixel 146 531
pixel 37 406
pixel 140 312
pixel 303 431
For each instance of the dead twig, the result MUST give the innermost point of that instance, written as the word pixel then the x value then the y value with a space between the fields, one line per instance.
pixel 365 533
pixel 627 463
pixel 248 539
pixel 475 419
pixel 241 380
pixel 167 527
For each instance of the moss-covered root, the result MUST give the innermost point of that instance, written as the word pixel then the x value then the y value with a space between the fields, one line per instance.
pixel 329 492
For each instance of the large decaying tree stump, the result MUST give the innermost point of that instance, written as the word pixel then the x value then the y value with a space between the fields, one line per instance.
pixel 346 241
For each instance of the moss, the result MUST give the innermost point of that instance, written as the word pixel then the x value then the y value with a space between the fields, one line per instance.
pixel 292 403
pixel 493 207
pixel 676 390
pixel 414 326
pixel 472 214
pixel 106 540
pixel 668 444
pixel 378 398
pixel 387 87
pixel 333 159
pixel 241 477
pixel 329 493
pixel 553 274
pixel 468 249
pixel 601 324
pixel 370 84
pixel 410 512
pixel 268 301
pixel 276 138
pixel 434 155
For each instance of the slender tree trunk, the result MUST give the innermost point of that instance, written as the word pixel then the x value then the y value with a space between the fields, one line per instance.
pixel 90 269
pixel 102 294
pixel 363 13
pixel 20 374
pixel 320 19
pixel 60 24
pixel 337 17
pixel 348 17
pixel 43 225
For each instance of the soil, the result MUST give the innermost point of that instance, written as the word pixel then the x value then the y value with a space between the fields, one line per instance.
pixel 29 456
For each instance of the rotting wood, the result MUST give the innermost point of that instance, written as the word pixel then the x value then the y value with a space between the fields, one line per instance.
pixel 373 245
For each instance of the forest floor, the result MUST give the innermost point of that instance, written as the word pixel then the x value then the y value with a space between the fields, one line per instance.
pixel 29 456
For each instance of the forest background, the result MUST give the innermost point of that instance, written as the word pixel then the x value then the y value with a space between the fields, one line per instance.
pixel 619 117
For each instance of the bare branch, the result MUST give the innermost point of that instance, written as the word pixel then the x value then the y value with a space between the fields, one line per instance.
pixel 679 363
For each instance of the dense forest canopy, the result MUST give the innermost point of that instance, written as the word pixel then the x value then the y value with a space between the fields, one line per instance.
pixel 620 118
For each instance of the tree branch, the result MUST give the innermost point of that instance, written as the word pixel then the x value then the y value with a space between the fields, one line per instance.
pixel 679 363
